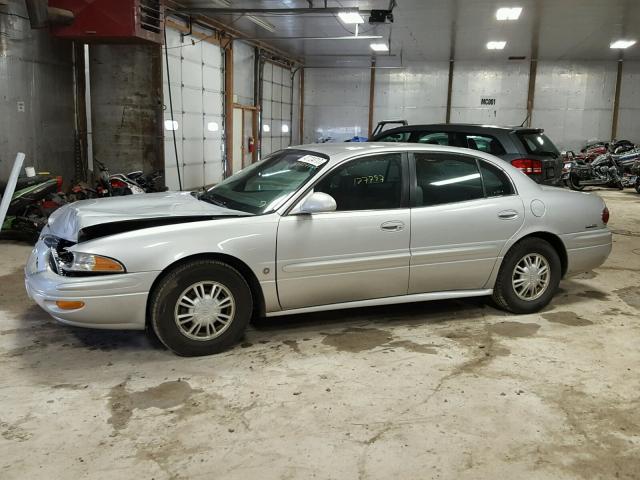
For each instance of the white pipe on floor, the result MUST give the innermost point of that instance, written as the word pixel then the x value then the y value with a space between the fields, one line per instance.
pixel 11 187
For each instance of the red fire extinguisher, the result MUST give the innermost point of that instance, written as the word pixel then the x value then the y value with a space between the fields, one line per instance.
pixel 252 145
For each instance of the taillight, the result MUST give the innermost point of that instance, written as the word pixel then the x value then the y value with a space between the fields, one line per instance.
pixel 59 183
pixel 528 165
pixel 117 183
pixel 605 215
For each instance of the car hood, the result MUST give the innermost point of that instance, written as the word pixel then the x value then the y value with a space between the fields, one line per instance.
pixel 137 211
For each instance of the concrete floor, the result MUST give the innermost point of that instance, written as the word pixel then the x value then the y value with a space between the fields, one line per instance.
pixel 442 390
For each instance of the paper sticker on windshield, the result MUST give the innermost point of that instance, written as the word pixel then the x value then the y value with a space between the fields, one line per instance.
pixel 313 160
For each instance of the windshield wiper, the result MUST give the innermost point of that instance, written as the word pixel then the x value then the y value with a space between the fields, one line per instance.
pixel 208 199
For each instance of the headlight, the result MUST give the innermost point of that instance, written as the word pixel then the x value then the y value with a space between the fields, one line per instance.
pixel 77 262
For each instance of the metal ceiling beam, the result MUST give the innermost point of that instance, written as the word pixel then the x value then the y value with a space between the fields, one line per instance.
pixel 258 11
pixel 346 37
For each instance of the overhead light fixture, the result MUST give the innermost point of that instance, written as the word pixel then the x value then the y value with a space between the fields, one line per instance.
pixel 351 17
pixel 622 44
pixel 379 47
pixel 496 45
pixel 258 21
pixel 508 13
pixel 170 125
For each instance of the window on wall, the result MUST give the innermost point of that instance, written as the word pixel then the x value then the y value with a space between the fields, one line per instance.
pixel 446 179
pixel 369 183
pixel 276 108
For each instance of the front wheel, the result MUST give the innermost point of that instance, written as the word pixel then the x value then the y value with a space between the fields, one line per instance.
pixel 529 277
pixel 200 308
pixel 637 186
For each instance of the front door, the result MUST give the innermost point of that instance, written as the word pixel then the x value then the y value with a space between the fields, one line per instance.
pixel 358 252
pixel 465 211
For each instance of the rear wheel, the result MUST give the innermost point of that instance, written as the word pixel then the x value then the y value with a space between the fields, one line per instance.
pixel 201 307
pixel 637 186
pixel 574 182
pixel 529 276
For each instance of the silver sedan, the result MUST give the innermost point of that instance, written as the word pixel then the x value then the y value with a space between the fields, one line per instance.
pixel 314 228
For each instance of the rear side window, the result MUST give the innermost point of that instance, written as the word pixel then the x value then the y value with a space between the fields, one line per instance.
pixel 483 143
pixel 395 137
pixel 446 179
pixel 432 138
pixel 537 143
pixel 496 183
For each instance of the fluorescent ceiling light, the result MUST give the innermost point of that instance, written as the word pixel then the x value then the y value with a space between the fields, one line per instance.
pixel 507 13
pixel 496 45
pixel 622 44
pixel 379 47
pixel 450 181
pixel 351 17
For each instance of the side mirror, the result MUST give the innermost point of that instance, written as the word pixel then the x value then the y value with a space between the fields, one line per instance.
pixel 318 202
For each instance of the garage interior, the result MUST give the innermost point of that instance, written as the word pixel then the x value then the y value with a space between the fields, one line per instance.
pixel 199 90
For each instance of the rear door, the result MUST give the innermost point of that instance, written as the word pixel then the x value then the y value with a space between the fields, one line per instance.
pixel 463 212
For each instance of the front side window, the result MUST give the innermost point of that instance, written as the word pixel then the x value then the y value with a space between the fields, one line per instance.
pixel 445 178
pixel 496 183
pixel 369 183
pixel 265 186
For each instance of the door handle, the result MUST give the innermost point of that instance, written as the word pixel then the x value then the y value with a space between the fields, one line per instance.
pixel 507 215
pixel 392 226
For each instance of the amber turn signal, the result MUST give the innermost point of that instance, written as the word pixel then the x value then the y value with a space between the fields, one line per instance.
pixel 69 304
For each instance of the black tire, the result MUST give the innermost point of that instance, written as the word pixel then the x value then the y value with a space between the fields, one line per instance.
pixel 574 182
pixel 504 294
pixel 167 294
pixel 637 187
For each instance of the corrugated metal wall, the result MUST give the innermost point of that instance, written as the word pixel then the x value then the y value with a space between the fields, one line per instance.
pixel 336 104
pixel 629 115
pixel 507 83
pixel 36 96
pixel 417 93
pixel 573 100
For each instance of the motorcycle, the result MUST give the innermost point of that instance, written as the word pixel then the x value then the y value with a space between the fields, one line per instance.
pixel 605 171
pixel 117 184
pixel 33 200
pixel 634 177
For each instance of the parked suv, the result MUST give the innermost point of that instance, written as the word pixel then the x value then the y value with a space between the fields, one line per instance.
pixel 527 149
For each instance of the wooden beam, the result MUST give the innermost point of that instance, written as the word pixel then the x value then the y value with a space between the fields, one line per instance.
pixel 449 92
pixel 533 72
pixel 616 102
pixel 372 95
pixel 228 108
pixel 301 118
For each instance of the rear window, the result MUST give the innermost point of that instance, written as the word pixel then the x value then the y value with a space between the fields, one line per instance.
pixel 395 137
pixel 538 144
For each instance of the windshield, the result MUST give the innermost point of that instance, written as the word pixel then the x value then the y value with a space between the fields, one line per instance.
pixel 265 186
pixel 537 143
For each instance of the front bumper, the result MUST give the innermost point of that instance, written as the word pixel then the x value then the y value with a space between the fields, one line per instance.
pixel 110 301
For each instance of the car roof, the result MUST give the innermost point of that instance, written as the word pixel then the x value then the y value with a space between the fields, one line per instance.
pixel 461 127
pixel 338 152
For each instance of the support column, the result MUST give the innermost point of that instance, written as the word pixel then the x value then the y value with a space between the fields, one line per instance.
pixel 127 108
pixel 616 102
pixel 533 71
pixel 449 91
pixel 301 119
pixel 372 95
